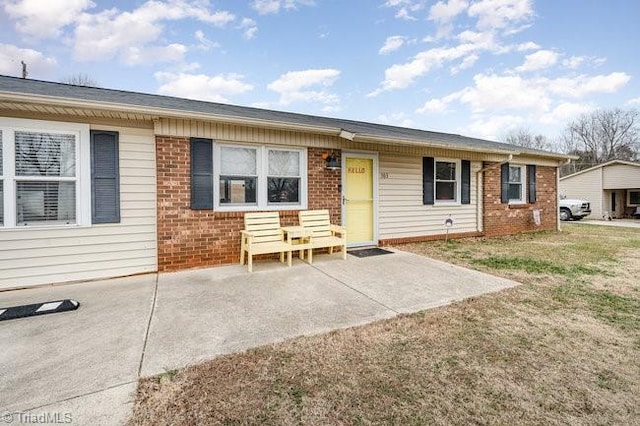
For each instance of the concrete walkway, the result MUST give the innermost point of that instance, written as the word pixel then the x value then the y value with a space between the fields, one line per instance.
pixel 85 364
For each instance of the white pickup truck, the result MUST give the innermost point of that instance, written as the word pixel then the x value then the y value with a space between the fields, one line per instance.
pixel 574 209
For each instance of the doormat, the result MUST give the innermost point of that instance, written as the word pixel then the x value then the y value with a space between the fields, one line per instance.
pixel 38 309
pixel 368 252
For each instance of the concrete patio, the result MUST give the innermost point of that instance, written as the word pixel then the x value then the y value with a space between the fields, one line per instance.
pixel 85 364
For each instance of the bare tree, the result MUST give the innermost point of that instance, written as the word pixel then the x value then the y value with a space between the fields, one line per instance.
pixel 525 138
pixel 80 79
pixel 605 135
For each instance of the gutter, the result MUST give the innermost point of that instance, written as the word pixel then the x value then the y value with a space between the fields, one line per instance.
pixel 413 142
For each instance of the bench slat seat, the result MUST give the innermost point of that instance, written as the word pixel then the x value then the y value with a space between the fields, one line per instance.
pixel 262 234
pixel 324 233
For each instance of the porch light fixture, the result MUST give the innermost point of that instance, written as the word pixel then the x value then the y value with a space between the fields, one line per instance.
pixel 331 161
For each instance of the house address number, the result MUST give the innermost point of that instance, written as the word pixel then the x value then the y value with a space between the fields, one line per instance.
pixel 384 175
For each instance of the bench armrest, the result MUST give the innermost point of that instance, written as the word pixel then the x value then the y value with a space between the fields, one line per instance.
pixel 246 235
pixel 337 229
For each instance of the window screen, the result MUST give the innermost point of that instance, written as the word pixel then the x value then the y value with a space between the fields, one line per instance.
pixel 284 176
pixel 45 169
pixel 238 175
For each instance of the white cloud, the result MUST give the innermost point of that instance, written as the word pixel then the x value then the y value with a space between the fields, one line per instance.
pixel 265 7
pixel 401 76
pixel 465 64
pixel 498 14
pixel 573 62
pixel 392 44
pixel 493 126
pixel 522 47
pixel 565 112
pixel 204 87
pixel 37 63
pixel 44 18
pixel 396 119
pixel 403 13
pixel 493 92
pixel 250 28
pixel 155 54
pixel 539 60
pixel 582 85
pixel 297 86
pixel 203 42
pixel 112 33
pixel 499 102
pixel 405 8
pixel 433 106
pixel 445 11
pixel 633 101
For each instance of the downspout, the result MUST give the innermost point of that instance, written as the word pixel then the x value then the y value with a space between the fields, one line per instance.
pixel 480 194
pixel 558 193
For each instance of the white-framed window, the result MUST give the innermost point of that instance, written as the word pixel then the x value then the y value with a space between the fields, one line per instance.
pixel 633 198
pixel 249 177
pixel 284 177
pixel 447 181
pixel 516 191
pixel 45 173
pixel 238 178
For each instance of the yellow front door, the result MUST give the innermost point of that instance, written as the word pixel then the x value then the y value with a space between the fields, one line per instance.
pixel 358 198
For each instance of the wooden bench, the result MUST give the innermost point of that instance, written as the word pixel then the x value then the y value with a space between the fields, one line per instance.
pixel 323 233
pixel 262 234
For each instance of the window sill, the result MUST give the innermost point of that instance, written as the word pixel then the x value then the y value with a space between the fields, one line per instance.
pixel 446 204
pixel 519 205
pixel 49 227
pixel 228 209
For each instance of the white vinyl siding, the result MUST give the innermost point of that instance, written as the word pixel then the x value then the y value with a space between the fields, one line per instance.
pixel 60 254
pixel 586 186
pixel 620 176
pixel 401 212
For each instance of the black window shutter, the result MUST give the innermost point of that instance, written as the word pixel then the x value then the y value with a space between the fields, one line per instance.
pixel 427 180
pixel 201 174
pixel 504 183
pixel 466 182
pixel 531 179
pixel 105 177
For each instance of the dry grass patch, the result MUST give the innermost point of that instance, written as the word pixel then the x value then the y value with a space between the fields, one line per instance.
pixel 561 349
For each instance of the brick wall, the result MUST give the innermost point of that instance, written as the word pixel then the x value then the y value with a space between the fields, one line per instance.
pixel 505 219
pixel 198 238
pixel 425 238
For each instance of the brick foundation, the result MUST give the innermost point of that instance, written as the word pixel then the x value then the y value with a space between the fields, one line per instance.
pixel 423 238
pixel 505 219
pixel 198 238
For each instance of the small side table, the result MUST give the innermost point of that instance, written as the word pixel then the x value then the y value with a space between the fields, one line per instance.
pixel 301 238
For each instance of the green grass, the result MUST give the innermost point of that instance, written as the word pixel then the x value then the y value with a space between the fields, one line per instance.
pixel 536 266
pixel 615 309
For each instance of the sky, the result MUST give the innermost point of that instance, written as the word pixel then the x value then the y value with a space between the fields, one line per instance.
pixel 473 67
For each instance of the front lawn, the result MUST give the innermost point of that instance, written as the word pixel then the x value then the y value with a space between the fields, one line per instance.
pixel 563 348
